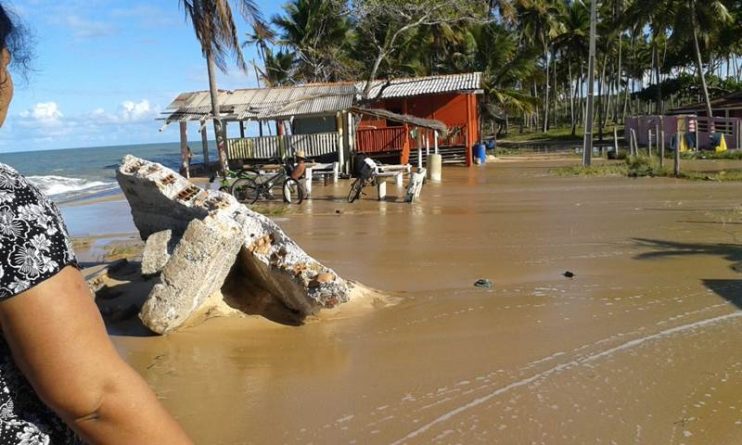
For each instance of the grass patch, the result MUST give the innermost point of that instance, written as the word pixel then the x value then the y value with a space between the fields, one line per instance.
pixel 643 166
pixel 721 176
pixel 556 134
pixel 729 154
pixel 593 170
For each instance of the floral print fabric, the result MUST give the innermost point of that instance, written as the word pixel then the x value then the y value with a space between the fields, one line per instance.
pixel 33 247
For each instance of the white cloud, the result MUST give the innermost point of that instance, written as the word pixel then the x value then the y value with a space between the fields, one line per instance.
pixel 85 29
pixel 128 112
pixel 43 112
pixel 136 111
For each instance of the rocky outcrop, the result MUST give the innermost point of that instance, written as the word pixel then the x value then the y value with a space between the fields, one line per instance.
pixel 229 242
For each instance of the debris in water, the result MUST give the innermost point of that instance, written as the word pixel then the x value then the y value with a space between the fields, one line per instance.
pixel 568 274
pixel 484 283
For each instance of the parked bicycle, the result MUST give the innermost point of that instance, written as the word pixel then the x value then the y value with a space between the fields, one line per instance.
pixel 227 180
pixel 366 175
pixel 269 186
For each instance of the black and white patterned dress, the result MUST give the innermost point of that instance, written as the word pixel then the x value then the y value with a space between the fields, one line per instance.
pixel 34 246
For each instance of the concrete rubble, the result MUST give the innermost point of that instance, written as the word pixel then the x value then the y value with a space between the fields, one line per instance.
pixel 157 251
pixel 219 244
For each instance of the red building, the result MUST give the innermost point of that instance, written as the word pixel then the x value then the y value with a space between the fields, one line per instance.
pixel 451 99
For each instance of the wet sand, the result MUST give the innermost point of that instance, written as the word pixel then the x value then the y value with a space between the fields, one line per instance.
pixel 643 345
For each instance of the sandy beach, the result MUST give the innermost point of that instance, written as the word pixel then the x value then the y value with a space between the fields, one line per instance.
pixel 640 346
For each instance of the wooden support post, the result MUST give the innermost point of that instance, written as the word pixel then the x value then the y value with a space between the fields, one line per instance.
pixel 435 142
pixel 242 129
pixel 205 146
pixel 381 188
pixel 615 141
pixel 676 166
pixel 399 179
pixel 308 181
pixel 335 171
pixel 657 138
pixel 662 148
pixel 634 147
pixel 415 185
pixel 649 142
pixel 185 160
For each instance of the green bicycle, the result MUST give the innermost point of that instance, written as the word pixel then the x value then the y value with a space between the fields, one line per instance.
pixel 226 181
pixel 269 186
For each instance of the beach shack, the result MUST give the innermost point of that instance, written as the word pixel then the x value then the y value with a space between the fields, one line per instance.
pixel 314 118
pixel 451 99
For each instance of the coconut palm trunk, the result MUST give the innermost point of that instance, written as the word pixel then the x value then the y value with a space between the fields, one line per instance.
pixel 699 62
pixel 219 133
pixel 546 93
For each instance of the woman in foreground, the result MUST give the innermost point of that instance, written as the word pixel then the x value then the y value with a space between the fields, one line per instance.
pixel 54 347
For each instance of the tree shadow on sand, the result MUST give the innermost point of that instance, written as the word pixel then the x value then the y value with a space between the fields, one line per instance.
pixel 730 290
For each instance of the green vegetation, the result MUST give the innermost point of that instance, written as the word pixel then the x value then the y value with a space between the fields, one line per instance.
pixel 729 154
pixel 533 53
pixel 722 176
pixel 613 169
pixel 652 55
pixel 643 166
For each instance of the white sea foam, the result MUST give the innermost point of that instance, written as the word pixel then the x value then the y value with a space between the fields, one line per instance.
pixel 56 186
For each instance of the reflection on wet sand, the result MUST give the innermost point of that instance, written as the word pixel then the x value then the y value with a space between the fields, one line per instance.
pixel 642 345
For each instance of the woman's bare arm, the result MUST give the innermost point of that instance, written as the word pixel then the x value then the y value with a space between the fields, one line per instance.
pixel 59 341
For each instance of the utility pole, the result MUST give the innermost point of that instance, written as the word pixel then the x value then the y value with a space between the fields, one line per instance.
pixel 587 143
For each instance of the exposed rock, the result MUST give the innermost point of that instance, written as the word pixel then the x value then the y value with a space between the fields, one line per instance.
pixel 483 283
pixel 197 269
pixel 161 199
pixel 156 252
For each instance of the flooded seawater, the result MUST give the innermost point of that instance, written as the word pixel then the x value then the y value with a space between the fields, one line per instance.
pixel 643 345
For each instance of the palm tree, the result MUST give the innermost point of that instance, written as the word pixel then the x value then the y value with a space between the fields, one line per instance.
pixel 540 22
pixel 215 29
pixel 316 31
pixel 505 64
pixel 706 17
pixel 573 44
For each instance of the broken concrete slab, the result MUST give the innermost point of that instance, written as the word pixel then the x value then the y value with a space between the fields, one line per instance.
pixel 197 269
pixel 157 250
pixel 272 262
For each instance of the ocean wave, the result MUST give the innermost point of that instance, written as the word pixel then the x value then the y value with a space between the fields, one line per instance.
pixel 61 186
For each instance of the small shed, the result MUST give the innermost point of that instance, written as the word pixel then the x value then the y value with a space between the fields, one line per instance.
pixel 451 99
pixel 313 118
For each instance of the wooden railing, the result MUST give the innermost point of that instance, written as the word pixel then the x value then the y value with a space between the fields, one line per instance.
pixel 275 147
pixel 315 144
pixel 376 140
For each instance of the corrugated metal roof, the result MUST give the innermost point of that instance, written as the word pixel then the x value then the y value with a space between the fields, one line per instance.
pixel 416 86
pixel 312 99
pixel 265 103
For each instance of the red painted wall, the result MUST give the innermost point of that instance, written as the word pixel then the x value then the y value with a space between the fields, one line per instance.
pixel 458 111
pixel 451 109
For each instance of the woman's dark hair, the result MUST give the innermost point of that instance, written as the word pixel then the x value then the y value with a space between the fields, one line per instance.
pixel 17 39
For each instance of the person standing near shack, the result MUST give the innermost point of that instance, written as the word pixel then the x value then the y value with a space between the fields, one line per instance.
pixel 300 166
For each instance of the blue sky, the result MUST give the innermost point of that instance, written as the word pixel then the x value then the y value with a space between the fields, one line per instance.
pixel 103 71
